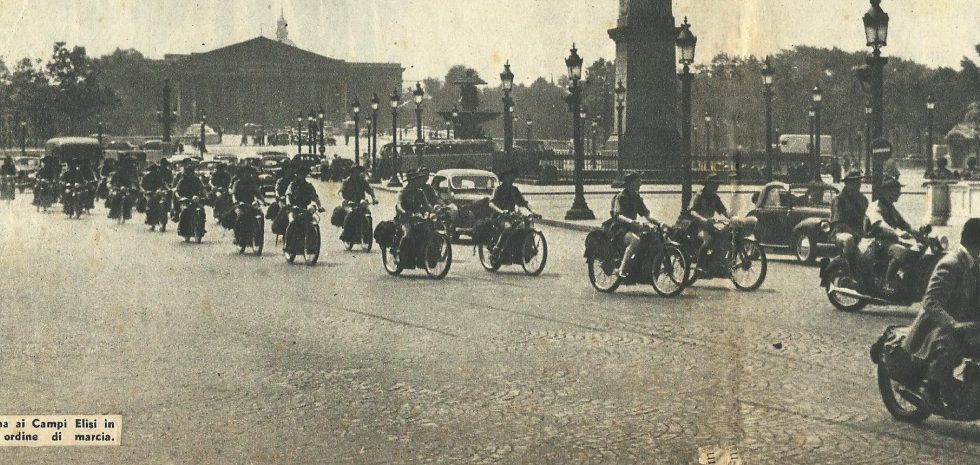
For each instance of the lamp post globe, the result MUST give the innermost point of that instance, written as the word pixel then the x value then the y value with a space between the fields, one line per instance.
pixel 507 84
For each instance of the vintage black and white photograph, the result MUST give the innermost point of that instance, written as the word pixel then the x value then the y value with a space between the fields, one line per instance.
pixel 489 231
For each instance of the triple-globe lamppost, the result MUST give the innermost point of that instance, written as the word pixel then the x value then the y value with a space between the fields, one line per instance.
pixel 418 95
pixel 507 84
pixel 375 171
pixel 707 134
pixel 321 144
pixel 686 43
pixel 620 106
pixel 355 108
pixel 201 145
pixel 394 100
pixel 876 33
pixel 767 80
pixel 930 109
pixel 817 100
pixel 299 133
pixel 580 209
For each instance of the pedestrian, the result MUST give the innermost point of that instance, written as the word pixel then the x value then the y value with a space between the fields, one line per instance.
pixel 835 170
pixel 941 172
pixel 971 173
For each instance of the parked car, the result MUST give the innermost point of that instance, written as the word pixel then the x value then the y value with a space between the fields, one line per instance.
pixel 228 158
pixel 469 190
pixel 154 144
pixel 120 145
pixel 26 171
pixel 205 169
pixel 795 217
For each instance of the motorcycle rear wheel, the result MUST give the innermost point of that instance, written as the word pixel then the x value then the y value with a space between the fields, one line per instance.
pixel 601 281
pixel 669 271
pixel 487 259
pixel 389 258
pixel 842 302
pixel 899 407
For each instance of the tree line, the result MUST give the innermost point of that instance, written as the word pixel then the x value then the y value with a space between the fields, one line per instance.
pixel 70 91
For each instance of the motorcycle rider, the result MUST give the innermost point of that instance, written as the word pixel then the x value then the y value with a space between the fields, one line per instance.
pixel 354 190
pixel 848 213
pixel 412 201
pixel 245 192
pixel 90 179
pixel 8 169
pixel 189 185
pixel 704 206
pixel 220 180
pixel 943 331
pixel 300 193
pixel 627 206
pixel 506 198
pixel 125 176
pixel 153 181
pixel 889 227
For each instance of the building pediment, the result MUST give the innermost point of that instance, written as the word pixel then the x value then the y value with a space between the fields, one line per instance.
pixel 260 51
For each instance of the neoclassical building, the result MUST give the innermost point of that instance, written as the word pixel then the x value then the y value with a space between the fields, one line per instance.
pixel 268 81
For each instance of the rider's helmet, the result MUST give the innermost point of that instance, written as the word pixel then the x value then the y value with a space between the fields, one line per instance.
pixel 509 172
pixel 355 170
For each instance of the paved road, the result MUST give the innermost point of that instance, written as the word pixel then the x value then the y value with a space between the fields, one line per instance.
pixel 212 357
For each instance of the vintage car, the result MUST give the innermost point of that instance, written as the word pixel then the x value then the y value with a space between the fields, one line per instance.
pixel 795 217
pixel 27 167
pixel 228 158
pixel 120 145
pixel 66 148
pixel 469 190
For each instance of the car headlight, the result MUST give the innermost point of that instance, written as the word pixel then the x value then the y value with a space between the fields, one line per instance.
pixel 825 227
pixel 944 241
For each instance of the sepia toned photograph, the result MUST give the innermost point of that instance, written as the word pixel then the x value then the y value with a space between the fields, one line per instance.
pixel 273 232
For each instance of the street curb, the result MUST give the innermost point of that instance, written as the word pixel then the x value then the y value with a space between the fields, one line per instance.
pixel 382 187
pixel 566 225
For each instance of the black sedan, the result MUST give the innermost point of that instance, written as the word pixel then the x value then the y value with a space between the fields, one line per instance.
pixel 795 217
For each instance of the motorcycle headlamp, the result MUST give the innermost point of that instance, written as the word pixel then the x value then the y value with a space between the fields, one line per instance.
pixel 196 199
pixel 825 227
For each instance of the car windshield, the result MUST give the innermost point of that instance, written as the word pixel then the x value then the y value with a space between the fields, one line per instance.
pixel 270 162
pixel 815 197
pixel 473 182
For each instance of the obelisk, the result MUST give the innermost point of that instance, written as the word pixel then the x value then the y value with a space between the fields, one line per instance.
pixel 646 64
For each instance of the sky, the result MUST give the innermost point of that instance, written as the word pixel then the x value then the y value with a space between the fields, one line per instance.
pixel 429 36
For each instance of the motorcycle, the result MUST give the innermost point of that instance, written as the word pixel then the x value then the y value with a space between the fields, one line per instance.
pixel 658 261
pixel 190 221
pixel 302 235
pixel 73 199
pixel 852 286
pixel 44 193
pixel 905 394
pixel 121 204
pixel 156 208
pixel 221 202
pixel 358 226
pixel 8 187
pixel 522 244
pixel 735 255
pixel 429 248
pixel 250 227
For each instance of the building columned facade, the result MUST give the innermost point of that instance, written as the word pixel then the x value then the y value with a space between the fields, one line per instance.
pixel 268 82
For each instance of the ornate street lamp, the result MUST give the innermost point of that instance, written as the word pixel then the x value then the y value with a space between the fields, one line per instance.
pixel 166 116
pixel 355 108
pixel 580 210
pixel 202 146
pixel 507 84
pixel 395 100
pixel 930 109
pixel 375 172
pixel 767 79
pixel 529 124
pixel 868 111
pixel 23 138
pixel 876 33
pixel 418 95
pixel 620 106
pixel 455 114
pixel 817 99
pixel 449 126
pixel 100 128
pixel 707 134
pixel 321 144
pixel 312 131
pixel 811 116
pixel 299 133
pixel 686 43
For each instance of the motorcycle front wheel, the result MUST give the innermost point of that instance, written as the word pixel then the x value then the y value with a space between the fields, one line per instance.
pixel 748 266
pixel 903 406
pixel 670 271
pixel 311 250
pixel 438 256
pixel 534 253
pixel 601 275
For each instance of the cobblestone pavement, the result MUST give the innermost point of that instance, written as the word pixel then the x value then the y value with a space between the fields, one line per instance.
pixel 212 357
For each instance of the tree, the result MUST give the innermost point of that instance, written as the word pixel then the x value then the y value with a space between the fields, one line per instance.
pixel 31 97
pixel 78 93
pixel 598 96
